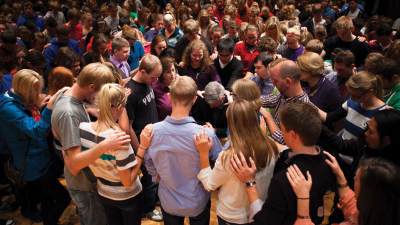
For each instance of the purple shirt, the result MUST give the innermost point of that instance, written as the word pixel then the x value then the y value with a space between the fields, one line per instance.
pixel 325 95
pixel 163 102
pixel 122 66
pixel 289 53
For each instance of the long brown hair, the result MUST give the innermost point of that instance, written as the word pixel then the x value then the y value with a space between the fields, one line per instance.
pixel 246 135
pixel 205 61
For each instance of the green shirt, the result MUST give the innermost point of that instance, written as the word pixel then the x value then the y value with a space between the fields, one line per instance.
pixel 393 98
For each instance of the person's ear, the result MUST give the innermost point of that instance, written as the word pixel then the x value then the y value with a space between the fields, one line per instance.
pixel 92 87
pixel 386 141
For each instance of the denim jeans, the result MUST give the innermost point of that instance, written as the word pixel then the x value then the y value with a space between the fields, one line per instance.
pixel 202 219
pixel 90 209
pixel 126 212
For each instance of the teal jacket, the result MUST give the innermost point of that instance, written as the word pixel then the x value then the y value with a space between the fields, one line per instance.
pixel 24 137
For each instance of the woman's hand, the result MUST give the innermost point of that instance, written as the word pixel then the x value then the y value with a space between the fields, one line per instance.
pixel 334 165
pixel 241 169
pixel 300 185
pixel 50 103
pixel 202 142
pixel 146 136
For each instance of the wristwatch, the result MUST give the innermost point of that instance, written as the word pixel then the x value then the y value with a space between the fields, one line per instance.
pixel 250 183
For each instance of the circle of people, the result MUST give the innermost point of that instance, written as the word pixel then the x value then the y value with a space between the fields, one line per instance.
pixel 288 108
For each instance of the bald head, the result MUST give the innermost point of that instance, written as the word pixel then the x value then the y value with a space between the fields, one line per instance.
pixel 288 68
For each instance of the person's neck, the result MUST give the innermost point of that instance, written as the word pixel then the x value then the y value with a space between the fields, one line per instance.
pixel 349 38
pixel 180 112
pixel 294 45
pixel 195 65
pixel 294 91
pixel 299 148
pixel 372 103
pixel 77 92
pixel 138 78
pixel 313 81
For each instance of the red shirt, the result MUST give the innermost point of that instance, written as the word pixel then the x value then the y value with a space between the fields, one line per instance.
pixel 75 32
pixel 246 56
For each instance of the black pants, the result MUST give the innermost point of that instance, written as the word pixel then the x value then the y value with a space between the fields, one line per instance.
pixel 51 195
pixel 126 212
pixel 202 219
pixel 223 222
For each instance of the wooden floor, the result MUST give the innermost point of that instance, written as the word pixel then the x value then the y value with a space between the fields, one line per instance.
pixel 70 218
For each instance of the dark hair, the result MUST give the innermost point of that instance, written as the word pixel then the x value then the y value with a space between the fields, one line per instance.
pixel 226 45
pixel 169 51
pixel 384 29
pixel 9 37
pixel 165 63
pixel 33 60
pixel 51 22
pixel 66 57
pixel 379 198
pixel 303 119
pixel 157 39
pixel 267 44
pixel 388 121
pixel 389 68
pixel 264 58
pixel 346 57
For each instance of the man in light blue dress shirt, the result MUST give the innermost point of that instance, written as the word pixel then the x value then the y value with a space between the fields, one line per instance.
pixel 173 161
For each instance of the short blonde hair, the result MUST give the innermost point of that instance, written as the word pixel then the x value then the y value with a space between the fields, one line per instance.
pixel 312 63
pixel 344 22
pixel 28 84
pixel 97 74
pixel 183 90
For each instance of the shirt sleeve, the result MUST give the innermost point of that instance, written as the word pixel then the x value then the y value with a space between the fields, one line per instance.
pixel 131 105
pixel 69 137
pixel 24 122
pixel 278 137
pixel 216 145
pixel 270 101
pixel 125 159
pixel 151 169
pixel 213 179
pixel 254 208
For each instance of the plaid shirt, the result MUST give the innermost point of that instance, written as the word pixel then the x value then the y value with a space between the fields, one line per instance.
pixel 277 101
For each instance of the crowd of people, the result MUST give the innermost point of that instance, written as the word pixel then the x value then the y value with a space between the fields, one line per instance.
pixel 288 109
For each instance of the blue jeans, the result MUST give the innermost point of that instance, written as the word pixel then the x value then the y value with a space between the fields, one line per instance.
pixel 202 219
pixel 90 209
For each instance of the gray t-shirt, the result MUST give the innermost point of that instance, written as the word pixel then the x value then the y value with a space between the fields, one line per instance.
pixel 67 114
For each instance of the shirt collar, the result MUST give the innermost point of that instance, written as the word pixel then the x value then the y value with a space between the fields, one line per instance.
pixel 185 120
pixel 222 64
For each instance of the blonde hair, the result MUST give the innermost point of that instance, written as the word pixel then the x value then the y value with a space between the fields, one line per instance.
pixel 344 22
pixel 246 135
pixel 364 82
pixel 249 91
pixel 183 90
pixel 312 63
pixel 28 84
pixel 97 74
pixel 110 96
pixel 273 23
